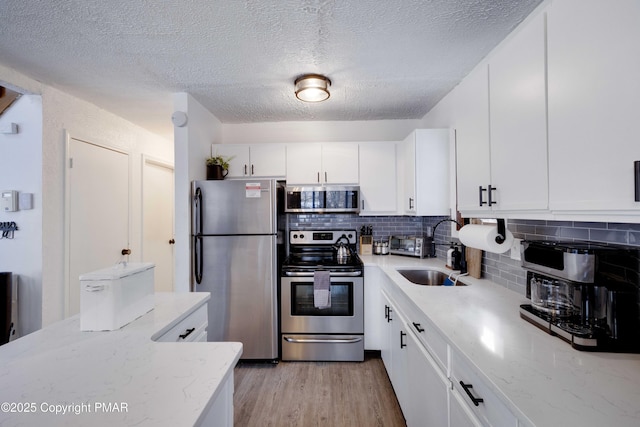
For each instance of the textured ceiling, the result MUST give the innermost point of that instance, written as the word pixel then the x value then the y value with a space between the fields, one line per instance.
pixel 387 59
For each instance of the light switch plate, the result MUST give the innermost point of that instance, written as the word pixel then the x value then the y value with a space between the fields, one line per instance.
pixel 515 249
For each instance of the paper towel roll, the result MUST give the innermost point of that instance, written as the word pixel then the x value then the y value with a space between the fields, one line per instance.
pixel 483 237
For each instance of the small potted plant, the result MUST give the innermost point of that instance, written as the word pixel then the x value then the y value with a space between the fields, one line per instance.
pixel 217 167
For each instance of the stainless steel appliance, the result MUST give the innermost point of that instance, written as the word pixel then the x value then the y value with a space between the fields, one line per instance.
pixel 415 246
pixel 326 199
pixel 585 293
pixel 235 258
pixel 322 334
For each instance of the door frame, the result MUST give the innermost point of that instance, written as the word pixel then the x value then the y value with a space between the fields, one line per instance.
pixel 146 159
pixel 96 141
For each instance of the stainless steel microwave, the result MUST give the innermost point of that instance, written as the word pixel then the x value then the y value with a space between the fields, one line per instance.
pixel 327 199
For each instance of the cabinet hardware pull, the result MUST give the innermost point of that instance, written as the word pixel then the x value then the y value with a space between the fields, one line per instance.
pixel 126 252
pixel 187 333
pixel 325 177
pixel 480 191
pixel 402 335
pixel 362 204
pixel 386 311
pixel 476 400
pixel 252 173
pixel 636 173
pixel 318 176
pixel 417 326
pixel 172 241
pixel 490 193
pixel 245 169
pixel 410 203
pixel 389 319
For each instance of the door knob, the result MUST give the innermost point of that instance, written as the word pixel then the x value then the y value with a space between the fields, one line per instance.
pixel 126 252
pixel 172 241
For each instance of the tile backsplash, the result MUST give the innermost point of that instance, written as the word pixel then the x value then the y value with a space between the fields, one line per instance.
pixel 383 226
pixel 499 268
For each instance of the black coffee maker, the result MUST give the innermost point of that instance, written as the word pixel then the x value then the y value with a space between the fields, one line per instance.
pixel 585 293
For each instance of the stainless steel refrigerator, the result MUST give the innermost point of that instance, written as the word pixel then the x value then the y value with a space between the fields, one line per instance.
pixel 234 228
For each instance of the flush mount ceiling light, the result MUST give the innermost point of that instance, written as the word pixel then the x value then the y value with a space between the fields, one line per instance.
pixel 312 88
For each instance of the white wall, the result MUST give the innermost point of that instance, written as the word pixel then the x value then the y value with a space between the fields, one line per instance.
pixel 192 145
pixel 338 131
pixel 20 170
pixel 61 112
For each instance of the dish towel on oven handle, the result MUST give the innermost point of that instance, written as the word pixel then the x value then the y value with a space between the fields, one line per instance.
pixel 322 289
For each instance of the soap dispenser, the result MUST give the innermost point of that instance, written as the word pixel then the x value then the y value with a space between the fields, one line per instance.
pixel 450 257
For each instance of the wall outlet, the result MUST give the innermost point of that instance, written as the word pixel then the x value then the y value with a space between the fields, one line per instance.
pixel 515 249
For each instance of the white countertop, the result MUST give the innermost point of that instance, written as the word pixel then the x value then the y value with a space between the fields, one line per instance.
pixel 544 381
pixel 159 383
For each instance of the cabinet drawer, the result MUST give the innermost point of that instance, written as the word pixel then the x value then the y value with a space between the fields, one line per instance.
pixel 428 336
pixel 491 410
pixel 189 328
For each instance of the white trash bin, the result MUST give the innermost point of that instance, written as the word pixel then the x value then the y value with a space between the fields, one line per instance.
pixel 113 297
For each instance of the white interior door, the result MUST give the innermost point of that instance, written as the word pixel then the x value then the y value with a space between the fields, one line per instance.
pixel 158 240
pixel 98 212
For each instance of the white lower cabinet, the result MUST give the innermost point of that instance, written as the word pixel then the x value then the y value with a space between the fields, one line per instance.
pixel 460 415
pixel 418 381
pixel 427 385
pixel 479 399
pixel 190 329
pixel 434 383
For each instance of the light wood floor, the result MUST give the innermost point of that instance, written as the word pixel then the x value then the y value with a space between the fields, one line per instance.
pixel 305 394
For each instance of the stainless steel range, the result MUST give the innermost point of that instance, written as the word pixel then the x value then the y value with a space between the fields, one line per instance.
pixel 314 327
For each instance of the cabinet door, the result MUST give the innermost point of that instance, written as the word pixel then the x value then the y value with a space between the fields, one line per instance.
pixel 431 176
pixel 428 387
pixel 240 162
pixel 409 161
pixel 268 160
pixel 594 88
pixel 378 178
pixel 471 101
pixel 304 163
pixel 518 120
pixel 400 360
pixel 459 413
pixel 386 315
pixel 339 163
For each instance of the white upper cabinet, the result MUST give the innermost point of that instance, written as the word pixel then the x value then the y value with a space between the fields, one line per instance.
pixel 501 129
pixel 327 163
pixel 471 100
pixel 258 160
pixel 426 172
pixel 378 178
pixel 518 120
pixel 594 93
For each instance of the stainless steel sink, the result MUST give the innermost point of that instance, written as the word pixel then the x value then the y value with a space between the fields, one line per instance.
pixel 427 277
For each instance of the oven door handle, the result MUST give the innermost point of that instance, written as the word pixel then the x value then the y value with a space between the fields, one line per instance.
pixel 322 341
pixel 337 274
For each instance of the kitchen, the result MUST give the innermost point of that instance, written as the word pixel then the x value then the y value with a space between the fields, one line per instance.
pixel 569 213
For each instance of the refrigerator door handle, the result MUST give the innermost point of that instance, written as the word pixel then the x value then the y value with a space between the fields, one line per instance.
pixel 197 258
pixel 198 244
pixel 198 202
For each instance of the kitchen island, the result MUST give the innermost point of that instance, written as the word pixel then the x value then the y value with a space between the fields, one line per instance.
pixel 62 376
pixel 539 378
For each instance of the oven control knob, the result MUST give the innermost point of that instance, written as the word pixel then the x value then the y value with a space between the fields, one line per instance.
pixel 295 236
pixel 350 236
pixel 302 236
